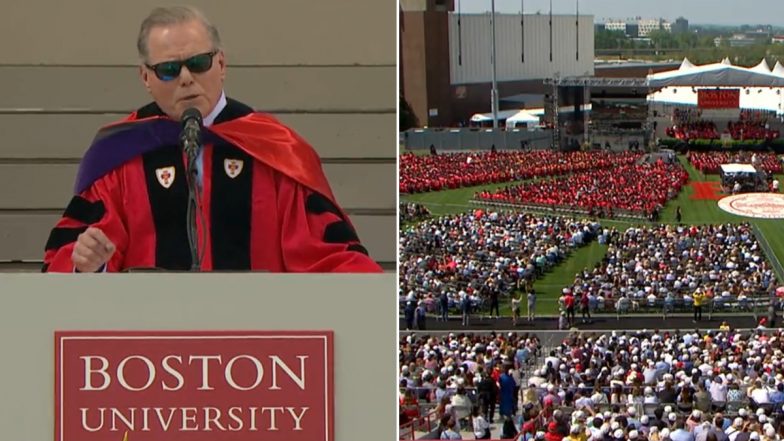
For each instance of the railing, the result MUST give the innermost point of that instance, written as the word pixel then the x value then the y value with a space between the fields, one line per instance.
pixel 774 260
pixel 625 389
pixel 476 139
pixel 756 305
pixel 425 423
pixel 560 209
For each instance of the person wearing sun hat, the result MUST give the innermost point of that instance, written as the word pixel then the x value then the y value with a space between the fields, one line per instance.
pixel 738 424
pixel 576 433
pixel 645 425
pixel 631 417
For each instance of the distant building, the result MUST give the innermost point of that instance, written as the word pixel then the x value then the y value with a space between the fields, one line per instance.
pixel 650 25
pixel 615 25
pixel 777 39
pixel 761 32
pixel 681 26
pixel 632 30
pixel 639 27
pixel 742 40
pixel 446 68
pixel 746 39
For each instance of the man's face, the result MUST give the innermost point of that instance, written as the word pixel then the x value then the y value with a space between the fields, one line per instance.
pixel 178 42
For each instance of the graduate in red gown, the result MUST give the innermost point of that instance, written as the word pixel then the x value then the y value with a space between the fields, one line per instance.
pixel 265 202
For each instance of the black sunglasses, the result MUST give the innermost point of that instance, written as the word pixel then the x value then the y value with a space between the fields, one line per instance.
pixel 169 70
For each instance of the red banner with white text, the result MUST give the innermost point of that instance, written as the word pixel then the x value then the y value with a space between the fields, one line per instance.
pixel 194 386
pixel 718 98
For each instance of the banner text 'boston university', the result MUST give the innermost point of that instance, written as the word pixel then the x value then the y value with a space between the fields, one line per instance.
pixel 193 386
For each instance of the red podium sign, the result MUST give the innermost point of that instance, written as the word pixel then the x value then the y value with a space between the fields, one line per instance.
pixel 718 98
pixel 193 386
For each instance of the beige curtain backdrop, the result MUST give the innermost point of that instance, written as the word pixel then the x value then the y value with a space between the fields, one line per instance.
pixel 325 68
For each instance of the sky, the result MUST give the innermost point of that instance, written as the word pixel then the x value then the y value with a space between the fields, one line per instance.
pixel 722 12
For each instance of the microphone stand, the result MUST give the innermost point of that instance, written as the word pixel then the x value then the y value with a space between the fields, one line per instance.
pixel 192 146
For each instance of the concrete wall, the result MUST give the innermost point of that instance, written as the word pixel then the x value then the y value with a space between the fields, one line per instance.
pixel 476 139
pixel 474 41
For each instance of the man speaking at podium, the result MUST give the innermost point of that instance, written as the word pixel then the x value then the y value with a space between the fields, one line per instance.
pixel 250 196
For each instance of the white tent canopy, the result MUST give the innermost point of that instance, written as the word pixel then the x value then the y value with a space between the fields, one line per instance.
pixel 716 75
pixel 778 69
pixel 686 64
pixel 534 113
pixel 750 98
pixel 522 117
pixel 737 168
pixel 502 115
pixel 759 87
pixel 761 67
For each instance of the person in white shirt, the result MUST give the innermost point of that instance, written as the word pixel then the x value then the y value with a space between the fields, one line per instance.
pixel 461 403
pixel 735 429
pixel 581 401
pixel 599 398
pixel 650 397
pixel 718 390
pixel 480 424
pixel 537 379
pixel 649 374
pixel 759 394
pixel 553 360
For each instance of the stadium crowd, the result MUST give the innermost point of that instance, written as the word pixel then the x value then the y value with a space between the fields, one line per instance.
pixel 693 130
pixel 666 265
pixel 420 173
pixel 701 385
pixel 412 212
pixel 688 124
pixel 751 125
pixel 451 373
pixel 709 162
pixel 641 189
pixel 475 258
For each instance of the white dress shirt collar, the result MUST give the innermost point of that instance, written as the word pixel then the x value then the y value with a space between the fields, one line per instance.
pixel 210 119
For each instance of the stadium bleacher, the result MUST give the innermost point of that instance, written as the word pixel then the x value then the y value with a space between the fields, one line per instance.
pixel 637 385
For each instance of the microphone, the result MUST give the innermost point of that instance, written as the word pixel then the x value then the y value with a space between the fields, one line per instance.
pixel 191 143
pixel 191 129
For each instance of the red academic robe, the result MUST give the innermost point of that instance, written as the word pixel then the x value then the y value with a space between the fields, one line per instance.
pixel 266 204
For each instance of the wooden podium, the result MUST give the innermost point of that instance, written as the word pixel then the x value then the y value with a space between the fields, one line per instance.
pixel 359 309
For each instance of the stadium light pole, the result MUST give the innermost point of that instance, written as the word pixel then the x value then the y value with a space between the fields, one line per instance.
pixel 494 91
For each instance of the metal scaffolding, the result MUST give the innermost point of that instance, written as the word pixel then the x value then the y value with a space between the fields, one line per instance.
pixel 587 83
pixel 641 83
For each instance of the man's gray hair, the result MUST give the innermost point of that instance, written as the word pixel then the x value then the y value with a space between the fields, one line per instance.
pixel 169 15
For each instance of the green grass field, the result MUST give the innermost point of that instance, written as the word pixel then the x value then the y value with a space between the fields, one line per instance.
pixel 549 287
